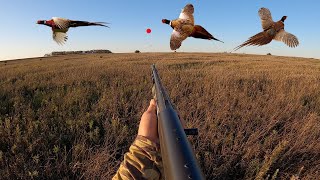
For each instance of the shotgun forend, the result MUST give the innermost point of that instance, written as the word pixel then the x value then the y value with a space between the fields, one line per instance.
pixel 178 158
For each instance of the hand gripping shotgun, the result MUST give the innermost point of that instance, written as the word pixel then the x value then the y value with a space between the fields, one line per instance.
pixel 178 158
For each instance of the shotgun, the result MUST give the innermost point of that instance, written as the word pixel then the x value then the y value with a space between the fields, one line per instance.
pixel 178 158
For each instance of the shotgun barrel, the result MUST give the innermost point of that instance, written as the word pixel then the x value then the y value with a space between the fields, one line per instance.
pixel 178 158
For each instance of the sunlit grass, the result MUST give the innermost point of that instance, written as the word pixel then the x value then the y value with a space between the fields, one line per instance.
pixel 75 116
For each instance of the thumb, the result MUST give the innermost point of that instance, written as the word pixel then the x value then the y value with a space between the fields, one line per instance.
pixel 152 106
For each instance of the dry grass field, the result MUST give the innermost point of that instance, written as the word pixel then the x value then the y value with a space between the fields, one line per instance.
pixel 75 116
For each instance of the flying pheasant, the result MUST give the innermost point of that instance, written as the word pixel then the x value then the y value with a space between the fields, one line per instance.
pixel 271 30
pixel 60 27
pixel 184 27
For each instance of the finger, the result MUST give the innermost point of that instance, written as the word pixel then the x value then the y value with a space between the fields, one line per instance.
pixel 153 102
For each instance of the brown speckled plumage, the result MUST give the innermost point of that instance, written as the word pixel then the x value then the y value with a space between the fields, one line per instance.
pixel 184 27
pixel 271 31
pixel 60 27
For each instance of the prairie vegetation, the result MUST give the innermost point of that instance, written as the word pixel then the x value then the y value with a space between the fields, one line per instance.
pixel 75 116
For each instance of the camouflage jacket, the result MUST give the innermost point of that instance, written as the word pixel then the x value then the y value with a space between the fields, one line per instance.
pixel 143 161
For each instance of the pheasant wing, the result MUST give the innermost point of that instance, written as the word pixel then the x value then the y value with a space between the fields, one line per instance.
pixel 177 37
pixel 59 37
pixel 266 18
pixel 187 13
pixel 289 39
pixel 61 22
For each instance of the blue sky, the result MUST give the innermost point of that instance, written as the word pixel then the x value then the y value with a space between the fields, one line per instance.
pixel 232 21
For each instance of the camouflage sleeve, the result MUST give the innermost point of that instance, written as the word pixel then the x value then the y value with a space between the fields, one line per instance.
pixel 143 161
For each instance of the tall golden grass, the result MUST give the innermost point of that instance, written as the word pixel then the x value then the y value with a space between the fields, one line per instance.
pixel 75 116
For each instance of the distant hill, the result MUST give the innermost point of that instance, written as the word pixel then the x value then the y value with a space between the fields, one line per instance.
pixel 57 53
